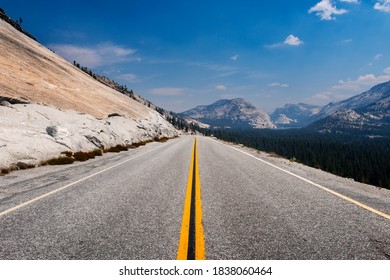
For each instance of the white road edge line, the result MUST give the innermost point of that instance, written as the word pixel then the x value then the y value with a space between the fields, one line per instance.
pixel 72 184
pixel 375 211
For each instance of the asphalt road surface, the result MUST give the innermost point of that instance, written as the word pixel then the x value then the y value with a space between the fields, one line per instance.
pixel 132 205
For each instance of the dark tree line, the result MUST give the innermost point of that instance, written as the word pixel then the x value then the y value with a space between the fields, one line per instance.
pixel 359 157
pixel 85 69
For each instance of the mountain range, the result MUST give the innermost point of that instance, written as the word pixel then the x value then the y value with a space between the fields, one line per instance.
pixel 368 112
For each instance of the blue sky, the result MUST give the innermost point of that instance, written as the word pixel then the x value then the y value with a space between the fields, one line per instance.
pixel 180 54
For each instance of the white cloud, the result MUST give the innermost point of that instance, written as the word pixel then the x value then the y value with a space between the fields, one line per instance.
pixel 167 91
pixel 361 83
pixel 345 89
pixel 326 10
pixel 346 41
pixel 350 1
pixel 220 87
pixel 292 41
pixel 129 77
pixel 85 56
pixel 220 70
pixel 234 57
pixel 378 56
pixel 325 97
pixel 278 85
pixel 93 56
pixel 226 74
pixel 107 49
pixel 383 6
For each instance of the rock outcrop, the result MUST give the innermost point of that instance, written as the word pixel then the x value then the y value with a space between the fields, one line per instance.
pixel 49 106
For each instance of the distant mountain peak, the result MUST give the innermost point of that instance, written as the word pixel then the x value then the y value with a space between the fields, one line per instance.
pixel 230 113
pixel 294 115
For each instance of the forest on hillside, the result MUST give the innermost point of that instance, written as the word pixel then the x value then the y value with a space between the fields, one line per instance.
pixel 362 158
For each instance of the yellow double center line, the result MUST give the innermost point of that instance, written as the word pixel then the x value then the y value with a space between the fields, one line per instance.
pixel 191 244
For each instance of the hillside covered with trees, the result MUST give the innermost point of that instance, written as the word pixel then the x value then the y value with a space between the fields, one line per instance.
pixel 364 159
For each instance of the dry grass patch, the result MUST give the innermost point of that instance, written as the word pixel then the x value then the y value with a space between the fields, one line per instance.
pixel 97 152
pixel 68 157
pixel 59 161
pixel 14 167
pixel 116 149
pixel 4 172
pixel 161 140
pixel 83 156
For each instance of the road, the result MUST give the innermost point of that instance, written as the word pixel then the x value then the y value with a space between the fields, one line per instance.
pixel 132 205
